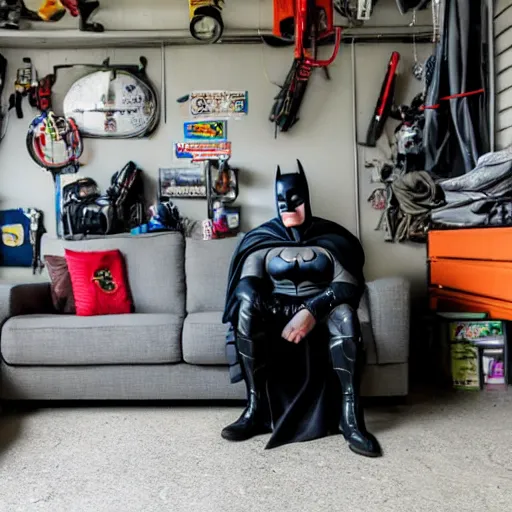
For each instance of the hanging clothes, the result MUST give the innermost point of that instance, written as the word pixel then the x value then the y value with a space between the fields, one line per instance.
pixel 482 197
pixel 457 130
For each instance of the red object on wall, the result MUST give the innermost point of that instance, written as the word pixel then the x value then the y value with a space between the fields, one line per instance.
pixel 71 6
pixel 293 18
pixel 100 284
pixel 284 12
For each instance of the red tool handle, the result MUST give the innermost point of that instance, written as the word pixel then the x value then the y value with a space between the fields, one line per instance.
pixel 328 62
pixel 301 16
pixel 452 97
pixel 393 65
pixel 301 19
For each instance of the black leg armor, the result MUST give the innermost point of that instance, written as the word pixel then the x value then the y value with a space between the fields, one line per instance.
pixel 249 341
pixel 348 359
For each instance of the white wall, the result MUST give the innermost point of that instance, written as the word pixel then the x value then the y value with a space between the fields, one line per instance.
pixel 323 139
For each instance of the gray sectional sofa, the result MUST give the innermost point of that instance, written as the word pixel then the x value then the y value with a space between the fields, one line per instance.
pixel 172 347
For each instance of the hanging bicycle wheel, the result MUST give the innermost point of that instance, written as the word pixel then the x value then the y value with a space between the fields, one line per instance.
pixel 54 142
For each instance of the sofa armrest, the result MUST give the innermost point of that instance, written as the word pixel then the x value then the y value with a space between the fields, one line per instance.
pixel 390 305
pixel 25 299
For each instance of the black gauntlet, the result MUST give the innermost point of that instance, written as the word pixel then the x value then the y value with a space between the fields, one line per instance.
pixel 337 293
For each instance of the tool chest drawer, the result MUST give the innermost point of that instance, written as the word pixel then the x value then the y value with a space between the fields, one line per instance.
pixel 471 270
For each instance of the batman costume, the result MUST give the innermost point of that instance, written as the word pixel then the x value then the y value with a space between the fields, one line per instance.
pixel 306 388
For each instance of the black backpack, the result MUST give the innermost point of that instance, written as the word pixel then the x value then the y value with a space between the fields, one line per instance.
pixel 87 212
pixel 126 193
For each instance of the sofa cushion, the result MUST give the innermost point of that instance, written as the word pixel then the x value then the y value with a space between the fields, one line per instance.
pixel 389 303
pixel 206 266
pixel 48 340
pixel 154 264
pixel 204 339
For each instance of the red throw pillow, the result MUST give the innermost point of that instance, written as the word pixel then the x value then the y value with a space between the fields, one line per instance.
pixel 100 286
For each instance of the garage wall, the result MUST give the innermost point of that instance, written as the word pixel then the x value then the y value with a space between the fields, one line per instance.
pixel 323 139
pixel 503 70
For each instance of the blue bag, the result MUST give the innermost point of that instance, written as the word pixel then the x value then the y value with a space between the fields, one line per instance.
pixel 22 229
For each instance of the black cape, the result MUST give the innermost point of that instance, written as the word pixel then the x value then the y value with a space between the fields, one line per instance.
pixel 302 391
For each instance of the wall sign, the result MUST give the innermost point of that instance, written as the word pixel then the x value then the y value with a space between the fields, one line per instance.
pixel 198 151
pixel 219 103
pixel 205 130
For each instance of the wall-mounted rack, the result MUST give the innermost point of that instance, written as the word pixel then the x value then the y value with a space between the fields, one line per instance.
pixel 71 39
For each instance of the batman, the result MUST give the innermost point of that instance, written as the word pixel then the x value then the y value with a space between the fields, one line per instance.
pixel 294 287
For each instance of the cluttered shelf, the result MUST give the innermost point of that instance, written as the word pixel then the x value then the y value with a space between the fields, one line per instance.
pixel 474 351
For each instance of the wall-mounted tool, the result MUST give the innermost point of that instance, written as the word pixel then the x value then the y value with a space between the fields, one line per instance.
pixel 25 85
pixel 313 25
pixel 384 103
pixel 44 93
pixel 206 24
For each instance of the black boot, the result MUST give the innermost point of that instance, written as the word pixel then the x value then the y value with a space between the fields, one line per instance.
pixel 347 357
pixel 255 418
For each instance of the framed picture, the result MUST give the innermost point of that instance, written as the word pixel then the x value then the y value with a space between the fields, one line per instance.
pixel 182 182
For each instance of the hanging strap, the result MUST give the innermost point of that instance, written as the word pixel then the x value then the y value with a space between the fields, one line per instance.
pixel 452 97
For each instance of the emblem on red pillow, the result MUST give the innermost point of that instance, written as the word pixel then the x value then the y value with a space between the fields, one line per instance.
pixel 105 280
pixel 99 281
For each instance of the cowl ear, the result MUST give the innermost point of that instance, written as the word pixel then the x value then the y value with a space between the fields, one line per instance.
pixel 301 169
pixel 278 173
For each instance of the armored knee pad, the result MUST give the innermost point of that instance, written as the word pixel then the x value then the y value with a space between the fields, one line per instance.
pixel 343 322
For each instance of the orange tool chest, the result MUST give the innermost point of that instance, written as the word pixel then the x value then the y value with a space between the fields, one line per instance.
pixel 471 270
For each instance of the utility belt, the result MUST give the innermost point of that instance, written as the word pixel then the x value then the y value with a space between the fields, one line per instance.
pixel 284 305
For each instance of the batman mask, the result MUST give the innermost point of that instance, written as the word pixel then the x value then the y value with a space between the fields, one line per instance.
pixel 292 191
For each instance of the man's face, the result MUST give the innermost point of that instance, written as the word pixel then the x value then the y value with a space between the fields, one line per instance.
pixel 294 218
